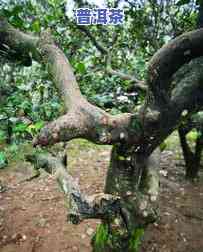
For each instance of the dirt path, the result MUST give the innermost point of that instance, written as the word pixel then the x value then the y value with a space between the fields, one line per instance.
pixel 33 215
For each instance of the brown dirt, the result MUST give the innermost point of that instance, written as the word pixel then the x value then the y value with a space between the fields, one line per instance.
pixel 33 215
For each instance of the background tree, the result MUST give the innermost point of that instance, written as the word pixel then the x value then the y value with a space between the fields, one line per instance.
pixel 192 125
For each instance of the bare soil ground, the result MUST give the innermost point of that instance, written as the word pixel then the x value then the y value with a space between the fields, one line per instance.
pixel 33 214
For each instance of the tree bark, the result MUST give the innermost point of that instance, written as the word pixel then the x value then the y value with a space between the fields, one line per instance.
pixel 80 206
pixel 134 178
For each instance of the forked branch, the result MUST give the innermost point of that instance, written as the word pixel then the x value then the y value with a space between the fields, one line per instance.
pixel 82 119
pixel 144 129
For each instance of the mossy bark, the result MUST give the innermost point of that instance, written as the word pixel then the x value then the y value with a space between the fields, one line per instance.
pixel 134 178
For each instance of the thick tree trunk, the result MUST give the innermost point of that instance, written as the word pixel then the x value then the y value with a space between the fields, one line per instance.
pixel 134 178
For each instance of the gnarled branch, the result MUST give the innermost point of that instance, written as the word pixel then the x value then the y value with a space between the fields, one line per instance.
pixel 168 60
pixel 82 119
pixel 103 206
pixel 145 129
pixel 80 206
pixel 16 45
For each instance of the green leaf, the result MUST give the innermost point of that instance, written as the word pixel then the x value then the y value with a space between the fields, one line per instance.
pixel 39 125
pixel 36 26
pixel 20 127
pixel 135 240
pixel 192 135
pixel 16 21
pixel 17 9
pixel 81 68
pixel 6 13
pixel 101 237
pixel 34 128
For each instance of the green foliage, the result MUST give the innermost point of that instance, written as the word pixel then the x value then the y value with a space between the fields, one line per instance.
pixel 147 26
pixel 193 135
pixel 135 240
pixel 182 2
pixel 30 99
pixel 137 41
pixel 80 68
pixel 20 129
pixel 33 129
pixel 101 238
